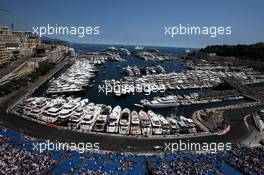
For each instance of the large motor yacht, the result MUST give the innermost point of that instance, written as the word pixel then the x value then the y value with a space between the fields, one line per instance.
pixel 145 123
pixel 124 122
pixel 156 123
pixel 135 124
pixel 166 129
pixel 100 123
pixel 113 120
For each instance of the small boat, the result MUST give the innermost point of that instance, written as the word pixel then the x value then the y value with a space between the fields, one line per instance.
pixel 139 105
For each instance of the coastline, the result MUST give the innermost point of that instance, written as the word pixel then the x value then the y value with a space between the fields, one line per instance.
pixel 105 138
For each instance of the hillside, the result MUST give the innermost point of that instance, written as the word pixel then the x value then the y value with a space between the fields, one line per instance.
pixel 253 52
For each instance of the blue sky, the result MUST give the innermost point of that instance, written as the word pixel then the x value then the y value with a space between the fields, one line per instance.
pixel 141 22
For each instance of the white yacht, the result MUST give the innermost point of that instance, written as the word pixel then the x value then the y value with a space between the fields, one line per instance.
pixel 139 47
pixel 40 102
pixel 84 102
pixel 135 124
pixel 183 126
pixel 34 105
pixel 161 102
pixel 100 123
pixel 67 110
pixel 145 123
pixel 124 122
pixel 27 109
pixel 113 120
pixel 106 110
pixel 75 119
pixel 87 122
pixel 156 123
pixel 189 123
pixel 35 112
pixel 52 114
pixel 75 79
pixel 174 125
pixel 165 125
pixel 90 116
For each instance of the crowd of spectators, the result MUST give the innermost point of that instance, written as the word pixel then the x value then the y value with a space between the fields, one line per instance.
pixel 17 157
pixel 248 160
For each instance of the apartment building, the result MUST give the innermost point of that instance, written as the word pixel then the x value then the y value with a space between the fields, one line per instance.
pixel 4 59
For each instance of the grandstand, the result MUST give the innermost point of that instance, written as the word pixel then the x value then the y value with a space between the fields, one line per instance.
pixel 17 157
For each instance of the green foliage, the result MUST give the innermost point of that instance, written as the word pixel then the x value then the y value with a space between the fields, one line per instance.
pixel 253 52
pixel 41 70
pixel 22 81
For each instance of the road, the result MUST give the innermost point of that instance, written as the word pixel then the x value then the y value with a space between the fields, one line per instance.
pixel 12 66
pixel 238 130
pixel 235 117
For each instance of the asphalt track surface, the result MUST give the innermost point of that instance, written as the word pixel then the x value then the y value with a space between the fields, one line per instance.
pixel 235 117
pixel 238 132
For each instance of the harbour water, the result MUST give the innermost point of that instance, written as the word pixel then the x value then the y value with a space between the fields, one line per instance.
pixel 113 70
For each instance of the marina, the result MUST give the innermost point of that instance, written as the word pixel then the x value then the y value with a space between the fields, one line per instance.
pixel 84 108
pixel 79 75
pixel 80 115
pixel 133 88
pixel 189 79
pixel 182 100
pixel 75 79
